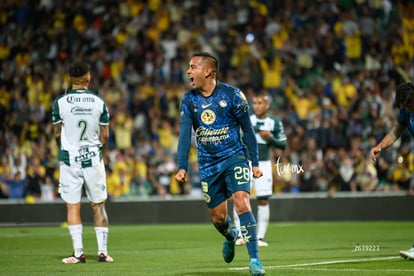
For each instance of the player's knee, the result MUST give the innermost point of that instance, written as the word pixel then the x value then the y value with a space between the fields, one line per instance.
pixel 242 205
pixel 263 201
pixel 97 205
pixel 218 219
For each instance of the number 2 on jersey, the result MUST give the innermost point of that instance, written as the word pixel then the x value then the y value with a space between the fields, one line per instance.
pixel 83 125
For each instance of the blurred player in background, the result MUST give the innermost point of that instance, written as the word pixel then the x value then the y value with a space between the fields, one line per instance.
pixel 269 134
pixel 404 100
pixel 81 126
pixel 217 112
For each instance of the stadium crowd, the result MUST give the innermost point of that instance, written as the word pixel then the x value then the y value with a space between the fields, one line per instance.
pixel 331 68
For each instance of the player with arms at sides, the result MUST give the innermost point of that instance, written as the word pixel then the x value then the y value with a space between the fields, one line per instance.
pixel 81 127
pixel 404 100
pixel 269 134
pixel 217 111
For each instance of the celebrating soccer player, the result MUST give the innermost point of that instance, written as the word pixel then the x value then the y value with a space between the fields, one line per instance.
pixel 217 112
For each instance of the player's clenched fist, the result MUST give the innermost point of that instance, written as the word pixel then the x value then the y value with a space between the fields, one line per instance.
pixel 257 172
pixel 181 176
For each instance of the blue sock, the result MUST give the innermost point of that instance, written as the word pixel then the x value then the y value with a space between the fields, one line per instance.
pixel 224 229
pixel 249 233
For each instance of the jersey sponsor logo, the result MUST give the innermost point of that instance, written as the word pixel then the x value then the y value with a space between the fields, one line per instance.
pixel 84 155
pixel 241 182
pixel 207 198
pixel 73 99
pixel 207 136
pixel 208 117
pixel 206 105
pixel 77 110
pixel 204 186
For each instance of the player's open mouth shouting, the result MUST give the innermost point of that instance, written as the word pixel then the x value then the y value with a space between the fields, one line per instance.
pixel 191 81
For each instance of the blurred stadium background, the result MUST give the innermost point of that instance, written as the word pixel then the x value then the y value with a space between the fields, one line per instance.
pixel 331 68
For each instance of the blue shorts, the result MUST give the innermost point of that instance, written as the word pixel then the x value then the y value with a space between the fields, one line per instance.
pixel 234 177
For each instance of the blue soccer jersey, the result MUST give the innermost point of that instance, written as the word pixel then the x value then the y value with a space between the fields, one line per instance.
pixel 216 121
pixel 406 118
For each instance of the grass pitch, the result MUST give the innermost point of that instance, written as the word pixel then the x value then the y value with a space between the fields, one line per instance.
pixel 311 248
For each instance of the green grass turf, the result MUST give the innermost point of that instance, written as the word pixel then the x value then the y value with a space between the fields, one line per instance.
pixel 311 248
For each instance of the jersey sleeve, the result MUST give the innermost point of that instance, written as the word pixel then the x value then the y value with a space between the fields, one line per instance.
pixel 184 139
pixel 278 138
pixel 241 112
pixel 104 119
pixel 402 117
pixel 56 119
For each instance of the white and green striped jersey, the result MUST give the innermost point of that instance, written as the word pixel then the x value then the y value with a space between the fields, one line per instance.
pixel 273 125
pixel 81 112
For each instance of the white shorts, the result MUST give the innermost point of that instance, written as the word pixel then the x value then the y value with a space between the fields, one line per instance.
pixel 73 178
pixel 263 186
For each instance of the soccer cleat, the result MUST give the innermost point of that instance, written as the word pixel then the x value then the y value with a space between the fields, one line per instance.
pixel 240 241
pixel 74 260
pixel 105 258
pixel 256 267
pixel 229 248
pixel 407 254
pixel 261 242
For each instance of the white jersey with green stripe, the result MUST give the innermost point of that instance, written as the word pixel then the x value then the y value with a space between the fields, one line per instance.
pixel 81 112
pixel 273 125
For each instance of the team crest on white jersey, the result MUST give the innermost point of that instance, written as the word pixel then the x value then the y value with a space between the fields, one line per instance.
pixel 208 117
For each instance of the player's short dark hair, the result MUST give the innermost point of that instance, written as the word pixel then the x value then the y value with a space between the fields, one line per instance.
pixel 404 94
pixel 78 69
pixel 213 59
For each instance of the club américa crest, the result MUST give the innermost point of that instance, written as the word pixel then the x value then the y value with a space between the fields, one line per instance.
pixel 208 116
